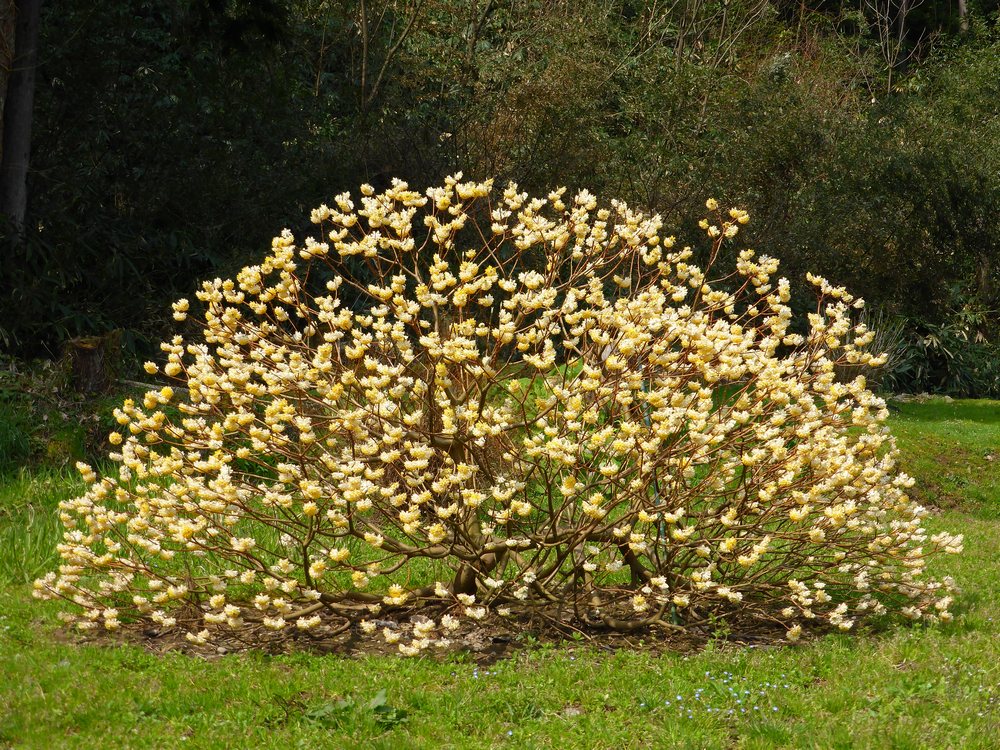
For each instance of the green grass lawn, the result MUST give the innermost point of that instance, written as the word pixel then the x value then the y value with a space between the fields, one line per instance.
pixel 903 687
pixel 953 448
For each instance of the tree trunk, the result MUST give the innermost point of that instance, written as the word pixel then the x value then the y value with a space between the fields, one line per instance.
pixel 17 114
pixel 8 16
pixel 963 17
pixel 986 291
pixel 94 362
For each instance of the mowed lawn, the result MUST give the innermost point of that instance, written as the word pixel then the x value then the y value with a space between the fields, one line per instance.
pixel 898 687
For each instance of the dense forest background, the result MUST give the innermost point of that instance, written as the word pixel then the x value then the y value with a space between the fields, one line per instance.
pixel 171 140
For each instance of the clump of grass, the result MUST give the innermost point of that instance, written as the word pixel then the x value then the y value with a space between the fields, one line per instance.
pixel 29 522
pixel 15 442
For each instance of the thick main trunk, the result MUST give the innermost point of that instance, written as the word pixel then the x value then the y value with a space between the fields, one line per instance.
pixel 17 114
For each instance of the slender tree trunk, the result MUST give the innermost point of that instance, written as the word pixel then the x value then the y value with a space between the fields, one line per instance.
pixel 17 114
pixel 963 17
pixel 8 15
pixel 985 287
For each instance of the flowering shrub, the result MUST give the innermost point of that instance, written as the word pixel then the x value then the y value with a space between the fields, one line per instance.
pixel 544 409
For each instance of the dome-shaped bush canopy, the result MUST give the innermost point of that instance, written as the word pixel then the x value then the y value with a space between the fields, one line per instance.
pixel 538 407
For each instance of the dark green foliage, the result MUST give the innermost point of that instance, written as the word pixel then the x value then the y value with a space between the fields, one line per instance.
pixel 172 140
pixel 952 357
pixel 164 139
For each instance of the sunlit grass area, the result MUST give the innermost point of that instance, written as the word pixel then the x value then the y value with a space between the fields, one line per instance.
pixel 953 447
pixel 894 686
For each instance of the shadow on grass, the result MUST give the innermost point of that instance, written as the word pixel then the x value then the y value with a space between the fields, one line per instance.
pixel 939 410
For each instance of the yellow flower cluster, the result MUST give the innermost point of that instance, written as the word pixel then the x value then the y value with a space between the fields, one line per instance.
pixel 516 404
